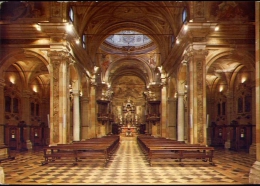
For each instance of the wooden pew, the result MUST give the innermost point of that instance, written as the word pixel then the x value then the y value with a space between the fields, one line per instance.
pixel 74 153
pixel 112 143
pixel 94 148
pixel 5 153
pixel 182 153
pixel 162 149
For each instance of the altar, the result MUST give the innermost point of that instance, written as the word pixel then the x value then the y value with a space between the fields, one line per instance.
pixel 128 119
pixel 126 129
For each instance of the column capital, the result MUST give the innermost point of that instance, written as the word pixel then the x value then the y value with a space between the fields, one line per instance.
pixel 171 100
pixel 195 50
pixel 180 94
pixel 75 92
pixel 26 93
pixel 84 99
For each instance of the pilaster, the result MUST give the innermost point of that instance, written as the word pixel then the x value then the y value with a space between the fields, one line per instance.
pixel 163 110
pixel 2 111
pixel 172 122
pixel 196 57
pixel 58 96
pixel 76 116
pixel 93 128
pixel 84 117
pixel 254 174
pixel 180 116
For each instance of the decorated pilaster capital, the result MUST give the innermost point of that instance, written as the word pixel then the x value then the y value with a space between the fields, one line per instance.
pixel 163 82
pixel 26 94
pixel 170 100
pixel 195 49
pixel 180 94
pixel 93 82
pixel 76 93
pixel 84 99
pixel 57 54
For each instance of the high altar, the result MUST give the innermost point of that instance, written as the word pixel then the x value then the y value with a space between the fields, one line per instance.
pixel 129 118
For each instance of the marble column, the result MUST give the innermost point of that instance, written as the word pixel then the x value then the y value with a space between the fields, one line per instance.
pixel 254 174
pixel 180 117
pixel 93 123
pixel 163 111
pixel 2 111
pixel 172 118
pixel 84 117
pixel 76 116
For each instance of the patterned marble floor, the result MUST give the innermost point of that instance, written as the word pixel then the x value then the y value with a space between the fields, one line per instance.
pixel 128 166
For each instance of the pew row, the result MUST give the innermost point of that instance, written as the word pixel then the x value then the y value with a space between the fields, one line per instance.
pixel 162 150
pixel 181 154
pixel 80 151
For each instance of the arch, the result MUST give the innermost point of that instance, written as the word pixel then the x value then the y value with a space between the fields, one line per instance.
pixel 144 71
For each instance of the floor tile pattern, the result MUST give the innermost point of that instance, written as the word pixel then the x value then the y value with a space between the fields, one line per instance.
pixel 128 166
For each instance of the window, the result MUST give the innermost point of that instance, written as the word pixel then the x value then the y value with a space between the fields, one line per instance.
pixel 15 105
pixel 37 109
pixel 128 38
pixel 71 14
pixel 248 103
pixel 11 105
pixel 221 106
pixel 32 109
pixel 172 40
pixel 8 102
pixel 184 15
pixel 84 41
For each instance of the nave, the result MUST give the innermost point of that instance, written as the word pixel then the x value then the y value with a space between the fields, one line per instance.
pixel 128 166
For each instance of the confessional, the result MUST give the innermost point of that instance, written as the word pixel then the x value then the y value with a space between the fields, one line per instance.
pixel 15 136
pixel 240 136
pixel 39 135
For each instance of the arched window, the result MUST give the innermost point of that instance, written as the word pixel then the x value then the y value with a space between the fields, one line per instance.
pixel 172 40
pixel 71 14
pixel 11 104
pixel 84 41
pixel 8 102
pixel 184 15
